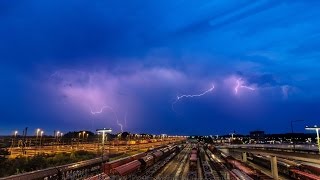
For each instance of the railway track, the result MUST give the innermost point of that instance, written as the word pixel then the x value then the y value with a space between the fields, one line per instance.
pixel 173 169
pixel 208 172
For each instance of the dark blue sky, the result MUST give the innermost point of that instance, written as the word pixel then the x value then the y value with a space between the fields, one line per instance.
pixel 62 61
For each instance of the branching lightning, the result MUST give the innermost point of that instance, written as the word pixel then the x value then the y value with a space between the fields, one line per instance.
pixel 114 113
pixel 191 96
pixel 240 85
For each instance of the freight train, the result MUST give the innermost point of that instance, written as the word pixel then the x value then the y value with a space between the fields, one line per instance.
pixel 193 163
pixel 288 168
pixel 283 168
pixel 72 171
pixel 92 167
pixel 193 159
pixel 139 163
pixel 232 163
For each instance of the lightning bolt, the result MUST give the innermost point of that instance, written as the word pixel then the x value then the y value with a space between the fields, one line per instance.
pixel 240 85
pixel 112 110
pixel 191 96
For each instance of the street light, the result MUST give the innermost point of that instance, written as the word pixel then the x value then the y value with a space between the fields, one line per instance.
pixel 57 138
pixel 13 139
pixel 37 135
pixel 316 128
pixel 61 134
pixel 41 134
pixel 103 131
pixel 232 134
pixel 83 133
pixel 87 137
pixel 38 130
pixel 78 140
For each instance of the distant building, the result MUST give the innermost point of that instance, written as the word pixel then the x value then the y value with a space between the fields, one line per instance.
pixel 257 136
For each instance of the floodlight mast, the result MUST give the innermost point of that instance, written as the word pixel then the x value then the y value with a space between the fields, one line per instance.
pixel 103 131
pixel 316 128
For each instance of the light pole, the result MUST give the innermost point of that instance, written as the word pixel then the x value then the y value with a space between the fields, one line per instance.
pixel 41 134
pixel 61 134
pixel 37 134
pixel 57 138
pixel 13 140
pixel 79 140
pixel 231 137
pixel 15 136
pixel 103 132
pixel 294 144
pixel 83 133
pixel 316 128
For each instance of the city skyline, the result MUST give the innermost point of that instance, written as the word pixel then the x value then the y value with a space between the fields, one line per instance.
pixel 159 67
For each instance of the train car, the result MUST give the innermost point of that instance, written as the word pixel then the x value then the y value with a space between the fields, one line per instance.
pixel 108 166
pixel 241 175
pixel 147 161
pixel 297 174
pixel 81 170
pixel 207 173
pixel 283 167
pixel 101 176
pixel 166 151
pixel 194 150
pixel 49 173
pixel 172 149
pixel 253 173
pixel 143 141
pixel 157 155
pixel 77 170
pixel 193 162
pixel 127 168
pixel 140 164
pixel 138 156
pixel 310 169
pixel 240 166
pixel 232 176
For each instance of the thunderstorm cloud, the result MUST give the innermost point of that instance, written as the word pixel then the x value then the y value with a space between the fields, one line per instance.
pixel 60 60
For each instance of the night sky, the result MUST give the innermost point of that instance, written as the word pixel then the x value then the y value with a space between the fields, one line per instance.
pixel 63 62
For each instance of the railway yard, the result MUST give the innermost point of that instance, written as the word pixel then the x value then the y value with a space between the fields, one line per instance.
pixel 199 161
pixel 180 160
